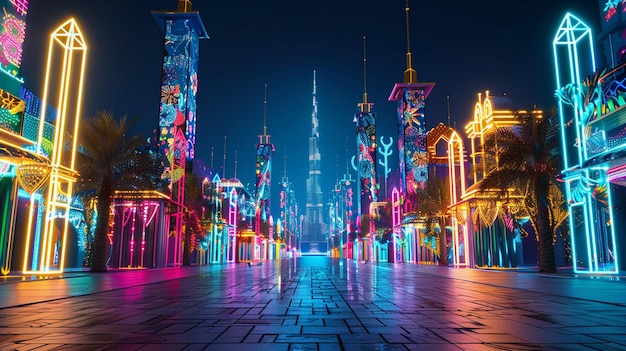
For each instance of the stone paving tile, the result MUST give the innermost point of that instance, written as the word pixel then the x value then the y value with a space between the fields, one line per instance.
pixel 315 303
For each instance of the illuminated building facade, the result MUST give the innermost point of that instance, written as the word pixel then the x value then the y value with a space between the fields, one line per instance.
pixel 140 233
pixel 177 111
pixel 36 172
pixel 593 138
pixel 15 147
pixel 483 234
pixel 313 235
pixel 12 36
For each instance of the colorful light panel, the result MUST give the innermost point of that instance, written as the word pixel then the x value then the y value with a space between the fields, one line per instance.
pixel 412 141
pixel 179 86
pixel 366 159
pixel 11 112
pixel 12 35
pixel 263 180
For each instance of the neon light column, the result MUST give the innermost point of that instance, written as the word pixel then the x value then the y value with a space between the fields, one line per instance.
pixel 12 36
pixel 67 56
pixel 587 188
pixel 233 211
pixel 177 118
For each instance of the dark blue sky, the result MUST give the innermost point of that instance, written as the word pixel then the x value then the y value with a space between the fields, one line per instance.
pixel 465 47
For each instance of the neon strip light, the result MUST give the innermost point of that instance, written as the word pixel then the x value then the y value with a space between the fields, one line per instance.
pixel 582 183
pixel 62 176
pixel 572 32
pixel 232 223
pixel 456 156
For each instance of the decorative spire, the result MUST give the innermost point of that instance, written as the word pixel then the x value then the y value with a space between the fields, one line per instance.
pixel 337 169
pixel 235 163
pixel 448 98
pixel 224 161
pixel 184 5
pixel 410 75
pixel 365 106
pixel 265 112
pixel 265 138
pixel 315 123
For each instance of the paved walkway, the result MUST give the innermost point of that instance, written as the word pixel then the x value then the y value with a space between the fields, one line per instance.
pixel 313 303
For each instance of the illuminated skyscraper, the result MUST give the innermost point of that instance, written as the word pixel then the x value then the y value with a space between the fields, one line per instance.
pixel 177 119
pixel 313 237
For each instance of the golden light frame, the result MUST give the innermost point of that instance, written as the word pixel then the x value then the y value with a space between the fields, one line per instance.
pixel 65 73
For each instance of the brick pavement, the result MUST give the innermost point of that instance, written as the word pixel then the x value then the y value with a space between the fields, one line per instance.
pixel 314 303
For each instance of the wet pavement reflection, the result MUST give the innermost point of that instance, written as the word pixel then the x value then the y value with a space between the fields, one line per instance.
pixel 313 303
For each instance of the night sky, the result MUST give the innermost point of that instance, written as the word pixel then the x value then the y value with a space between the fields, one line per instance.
pixel 465 47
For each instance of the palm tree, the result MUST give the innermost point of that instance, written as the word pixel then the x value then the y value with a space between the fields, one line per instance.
pixel 526 159
pixel 193 212
pixel 109 161
pixel 434 202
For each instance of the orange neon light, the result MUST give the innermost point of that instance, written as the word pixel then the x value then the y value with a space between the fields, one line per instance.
pixel 45 256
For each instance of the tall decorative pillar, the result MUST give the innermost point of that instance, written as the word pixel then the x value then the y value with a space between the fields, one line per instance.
pixel 365 121
pixel 264 151
pixel 177 112
pixel 49 210
pixel 410 97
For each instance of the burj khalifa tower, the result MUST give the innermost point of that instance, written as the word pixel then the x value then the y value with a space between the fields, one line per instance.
pixel 313 235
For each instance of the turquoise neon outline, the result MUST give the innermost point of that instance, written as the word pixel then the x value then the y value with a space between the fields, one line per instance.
pixel 574 34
